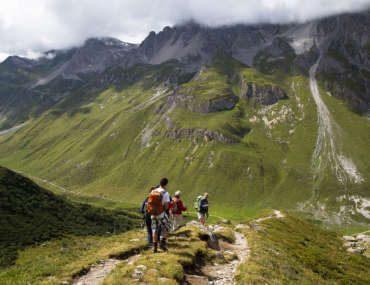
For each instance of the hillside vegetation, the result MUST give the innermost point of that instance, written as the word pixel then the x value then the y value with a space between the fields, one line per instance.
pixel 291 251
pixel 30 214
pixel 282 251
pixel 123 131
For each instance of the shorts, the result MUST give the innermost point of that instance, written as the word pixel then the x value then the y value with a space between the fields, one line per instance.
pixel 201 216
pixel 161 223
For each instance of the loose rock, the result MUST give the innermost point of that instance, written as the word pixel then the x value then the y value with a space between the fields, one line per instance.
pixel 349 238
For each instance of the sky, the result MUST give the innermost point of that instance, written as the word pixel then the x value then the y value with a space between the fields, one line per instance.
pixel 30 27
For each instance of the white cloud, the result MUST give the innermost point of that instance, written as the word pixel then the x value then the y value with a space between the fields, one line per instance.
pixel 28 27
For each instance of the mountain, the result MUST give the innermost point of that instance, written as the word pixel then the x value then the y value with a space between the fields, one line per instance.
pixel 30 214
pixel 29 87
pixel 258 116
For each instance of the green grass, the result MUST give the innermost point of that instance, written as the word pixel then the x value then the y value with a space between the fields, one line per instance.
pixel 290 251
pixel 30 214
pixel 186 251
pixel 64 258
pixel 93 144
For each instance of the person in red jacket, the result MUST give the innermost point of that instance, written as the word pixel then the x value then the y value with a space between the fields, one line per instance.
pixel 177 208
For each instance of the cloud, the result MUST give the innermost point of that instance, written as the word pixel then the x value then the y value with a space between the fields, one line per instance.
pixel 30 27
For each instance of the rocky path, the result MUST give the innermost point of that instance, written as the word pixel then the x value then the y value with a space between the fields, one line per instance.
pixel 100 271
pixel 224 274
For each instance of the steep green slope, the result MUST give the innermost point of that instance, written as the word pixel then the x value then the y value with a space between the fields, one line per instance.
pixel 30 214
pixel 125 130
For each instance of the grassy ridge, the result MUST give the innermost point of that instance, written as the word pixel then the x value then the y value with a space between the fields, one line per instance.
pixel 290 251
pixel 30 214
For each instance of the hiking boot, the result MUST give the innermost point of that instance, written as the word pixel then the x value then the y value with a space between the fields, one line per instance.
pixel 155 247
pixel 162 245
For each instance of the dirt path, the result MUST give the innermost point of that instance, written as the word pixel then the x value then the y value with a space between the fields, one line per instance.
pixel 99 272
pixel 276 214
pixel 224 274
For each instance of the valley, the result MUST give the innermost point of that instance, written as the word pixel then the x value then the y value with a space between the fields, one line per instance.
pixel 271 120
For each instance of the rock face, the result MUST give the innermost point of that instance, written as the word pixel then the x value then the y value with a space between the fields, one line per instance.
pixel 345 58
pixel 263 95
pixel 198 134
pixel 221 103
pixel 216 104
pixel 29 87
pixel 32 86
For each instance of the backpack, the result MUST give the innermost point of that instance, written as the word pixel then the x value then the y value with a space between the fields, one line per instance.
pixel 196 203
pixel 155 206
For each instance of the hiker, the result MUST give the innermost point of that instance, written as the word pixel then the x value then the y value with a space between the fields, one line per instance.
pixel 202 207
pixel 177 208
pixel 158 204
pixel 147 219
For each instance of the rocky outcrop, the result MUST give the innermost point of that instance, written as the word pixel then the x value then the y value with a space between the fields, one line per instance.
pixel 217 104
pixel 263 95
pixel 202 134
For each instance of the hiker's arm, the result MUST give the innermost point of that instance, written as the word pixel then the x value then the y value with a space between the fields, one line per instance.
pixel 166 205
pixel 143 207
pixel 182 206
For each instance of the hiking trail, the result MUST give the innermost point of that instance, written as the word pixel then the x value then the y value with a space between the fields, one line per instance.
pixel 98 272
pixel 224 274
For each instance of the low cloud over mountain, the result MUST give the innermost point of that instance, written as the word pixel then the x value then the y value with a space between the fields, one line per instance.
pixel 30 27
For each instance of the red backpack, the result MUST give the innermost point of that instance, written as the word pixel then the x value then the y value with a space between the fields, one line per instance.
pixel 155 206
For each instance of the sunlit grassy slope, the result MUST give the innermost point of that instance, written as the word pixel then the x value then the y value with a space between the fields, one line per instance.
pixel 282 251
pixel 291 251
pixel 106 139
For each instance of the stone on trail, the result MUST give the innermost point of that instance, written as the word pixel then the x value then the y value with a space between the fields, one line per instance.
pixel 141 267
pixel 349 244
pixel 349 238
pixel 356 250
pixel 219 254
pixel 364 238
pixel 137 273
pixel 134 240
pixel 241 226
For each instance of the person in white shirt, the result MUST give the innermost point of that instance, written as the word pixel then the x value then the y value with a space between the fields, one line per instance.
pixel 161 223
